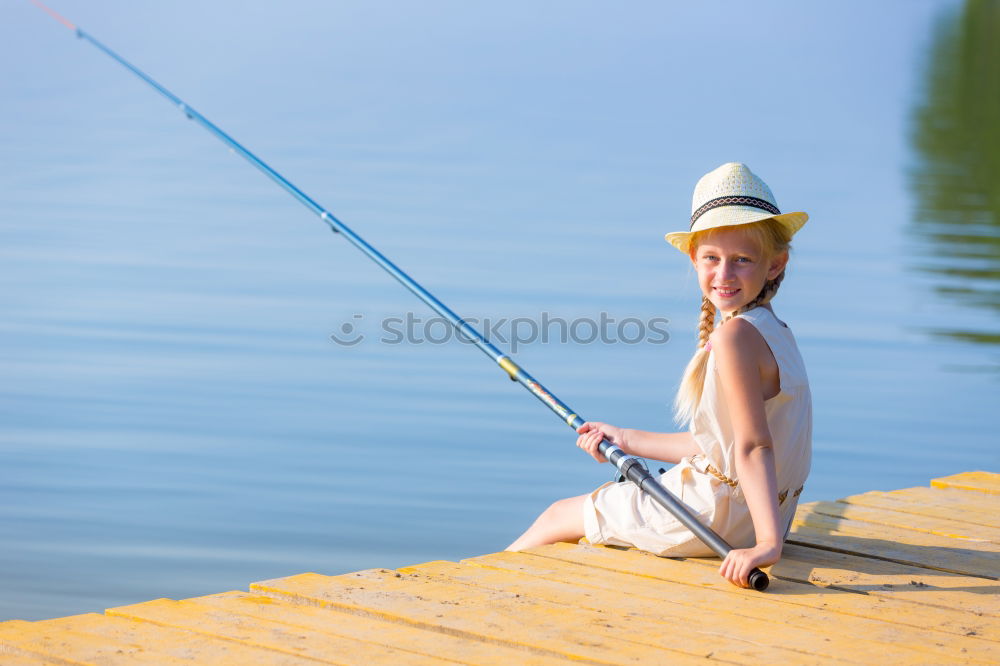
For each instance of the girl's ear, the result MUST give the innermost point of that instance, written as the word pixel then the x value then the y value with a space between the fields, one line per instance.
pixel 777 265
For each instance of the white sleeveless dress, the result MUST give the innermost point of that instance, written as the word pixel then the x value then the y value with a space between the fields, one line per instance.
pixel 621 514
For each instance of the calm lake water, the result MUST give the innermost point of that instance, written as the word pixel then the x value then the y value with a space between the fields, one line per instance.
pixel 175 418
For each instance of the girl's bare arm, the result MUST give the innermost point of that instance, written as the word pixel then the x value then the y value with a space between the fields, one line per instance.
pixel 740 352
pixel 664 446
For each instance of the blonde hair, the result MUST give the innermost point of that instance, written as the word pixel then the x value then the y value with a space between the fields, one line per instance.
pixel 772 238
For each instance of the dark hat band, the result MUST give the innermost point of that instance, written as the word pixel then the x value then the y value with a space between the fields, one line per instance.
pixel 734 201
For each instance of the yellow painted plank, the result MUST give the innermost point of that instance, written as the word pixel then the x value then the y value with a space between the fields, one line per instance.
pixel 945 504
pixel 328 620
pixel 167 645
pixel 505 618
pixel 68 647
pixel 809 610
pixel 908 521
pixel 744 615
pixel 8 658
pixel 983 482
pixel 268 634
pixel 704 572
pixel 968 594
pixel 976 558
pixel 953 560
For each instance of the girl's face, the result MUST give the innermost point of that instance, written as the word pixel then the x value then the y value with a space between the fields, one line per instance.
pixel 732 268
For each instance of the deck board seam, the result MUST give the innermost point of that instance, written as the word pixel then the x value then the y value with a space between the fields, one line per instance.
pixel 111 612
pixel 906 510
pixel 425 626
pixel 902 517
pixel 920 565
pixel 328 632
pixel 875 591
pixel 13 650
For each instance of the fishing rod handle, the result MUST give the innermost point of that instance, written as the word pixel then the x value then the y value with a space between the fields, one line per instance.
pixel 758 579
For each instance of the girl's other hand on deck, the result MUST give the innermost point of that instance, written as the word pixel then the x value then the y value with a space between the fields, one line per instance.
pixel 740 561
pixel 592 432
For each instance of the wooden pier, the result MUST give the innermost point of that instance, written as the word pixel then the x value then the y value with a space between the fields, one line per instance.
pixel 908 576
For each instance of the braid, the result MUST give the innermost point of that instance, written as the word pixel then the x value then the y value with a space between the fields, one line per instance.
pixel 706 322
pixel 689 393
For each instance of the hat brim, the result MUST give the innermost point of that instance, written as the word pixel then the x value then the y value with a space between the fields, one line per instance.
pixel 732 216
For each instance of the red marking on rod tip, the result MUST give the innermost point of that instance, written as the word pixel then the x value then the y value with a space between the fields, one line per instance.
pixel 54 14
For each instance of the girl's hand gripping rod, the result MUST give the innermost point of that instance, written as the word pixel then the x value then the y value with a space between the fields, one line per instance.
pixel 629 466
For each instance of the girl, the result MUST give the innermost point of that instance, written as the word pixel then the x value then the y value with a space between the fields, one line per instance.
pixel 742 464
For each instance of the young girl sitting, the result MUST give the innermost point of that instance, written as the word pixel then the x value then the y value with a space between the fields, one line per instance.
pixel 743 462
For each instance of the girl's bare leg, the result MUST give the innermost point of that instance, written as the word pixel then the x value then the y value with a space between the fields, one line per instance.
pixel 563 521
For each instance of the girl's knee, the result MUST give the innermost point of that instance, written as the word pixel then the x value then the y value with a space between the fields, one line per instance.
pixel 562 521
pixel 560 504
pixel 569 506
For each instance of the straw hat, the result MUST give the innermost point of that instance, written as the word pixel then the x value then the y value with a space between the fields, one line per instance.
pixel 729 196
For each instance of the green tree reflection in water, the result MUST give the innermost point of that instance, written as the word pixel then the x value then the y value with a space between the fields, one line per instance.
pixel 956 181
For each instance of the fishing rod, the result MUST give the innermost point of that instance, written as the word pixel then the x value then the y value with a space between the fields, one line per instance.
pixel 630 467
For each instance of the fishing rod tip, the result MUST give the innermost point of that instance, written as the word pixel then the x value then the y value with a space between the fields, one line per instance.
pixel 57 16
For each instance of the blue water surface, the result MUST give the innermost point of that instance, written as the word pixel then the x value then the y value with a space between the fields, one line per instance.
pixel 175 418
